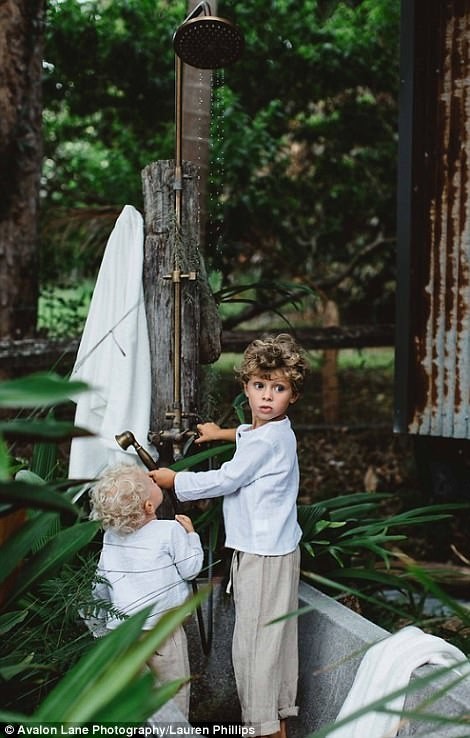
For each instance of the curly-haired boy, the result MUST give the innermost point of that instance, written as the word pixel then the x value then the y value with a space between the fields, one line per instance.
pixel 260 487
pixel 145 561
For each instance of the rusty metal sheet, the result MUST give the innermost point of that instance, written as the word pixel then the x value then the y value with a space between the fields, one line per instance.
pixel 439 285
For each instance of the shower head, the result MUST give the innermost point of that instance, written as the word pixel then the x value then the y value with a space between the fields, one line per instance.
pixel 208 42
pixel 126 439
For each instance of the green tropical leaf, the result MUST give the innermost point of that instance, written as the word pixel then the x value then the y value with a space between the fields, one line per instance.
pixel 141 699
pixel 308 516
pixel 57 430
pixel 41 389
pixel 9 669
pixel 25 539
pixel 431 586
pixel 223 452
pixel 353 511
pixel 58 550
pixel 4 460
pixel 238 405
pixel 40 496
pixel 376 577
pixel 416 516
pixel 106 671
pixel 344 501
pixel 10 620
pixel 29 476
pixel 342 588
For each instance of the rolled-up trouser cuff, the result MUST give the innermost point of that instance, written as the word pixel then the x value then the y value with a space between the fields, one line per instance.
pixel 273 726
pixel 264 728
pixel 286 712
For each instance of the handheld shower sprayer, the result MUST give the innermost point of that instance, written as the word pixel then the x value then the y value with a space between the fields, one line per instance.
pixel 126 439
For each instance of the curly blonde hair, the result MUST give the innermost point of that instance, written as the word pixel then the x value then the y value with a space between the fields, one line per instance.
pixel 274 353
pixel 117 498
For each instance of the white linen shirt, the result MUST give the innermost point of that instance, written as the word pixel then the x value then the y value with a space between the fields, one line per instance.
pixel 259 485
pixel 150 565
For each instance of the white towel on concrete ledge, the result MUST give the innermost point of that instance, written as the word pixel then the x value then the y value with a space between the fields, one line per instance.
pixel 114 355
pixel 387 667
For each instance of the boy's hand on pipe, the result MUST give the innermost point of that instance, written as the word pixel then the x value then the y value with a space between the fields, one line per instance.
pixel 207 432
pixel 164 477
pixel 213 432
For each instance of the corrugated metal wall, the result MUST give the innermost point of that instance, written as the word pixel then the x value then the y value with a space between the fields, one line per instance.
pixel 433 315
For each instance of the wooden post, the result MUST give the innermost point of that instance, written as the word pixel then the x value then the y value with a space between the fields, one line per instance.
pixel 330 381
pixel 163 250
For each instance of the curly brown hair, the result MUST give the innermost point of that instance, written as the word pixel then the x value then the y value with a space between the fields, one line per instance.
pixel 272 353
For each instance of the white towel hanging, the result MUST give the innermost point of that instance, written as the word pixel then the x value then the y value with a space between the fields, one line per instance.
pixel 114 355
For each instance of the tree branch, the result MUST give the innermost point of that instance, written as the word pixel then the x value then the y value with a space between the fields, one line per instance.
pixel 258 308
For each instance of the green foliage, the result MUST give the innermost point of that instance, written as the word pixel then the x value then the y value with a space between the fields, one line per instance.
pixel 58 549
pixel 50 667
pixel 303 159
pixel 17 494
pixel 315 178
pixel 95 688
pixel 43 389
pixel 62 311
pixel 348 546
pixel 47 563
pixel 110 103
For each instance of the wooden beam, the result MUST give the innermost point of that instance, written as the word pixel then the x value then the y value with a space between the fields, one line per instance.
pixel 42 354
pixel 339 337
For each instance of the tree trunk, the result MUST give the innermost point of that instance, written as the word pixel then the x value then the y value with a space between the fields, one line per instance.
pixel 21 43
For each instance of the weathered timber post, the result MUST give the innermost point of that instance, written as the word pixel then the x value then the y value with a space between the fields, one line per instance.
pixel 163 250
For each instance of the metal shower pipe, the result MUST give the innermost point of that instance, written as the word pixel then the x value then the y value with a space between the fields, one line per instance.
pixel 208 42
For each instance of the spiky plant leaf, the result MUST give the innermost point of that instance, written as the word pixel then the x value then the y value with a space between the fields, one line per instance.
pixel 108 669
pixel 57 551
pixel 141 700
pixel 25 540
